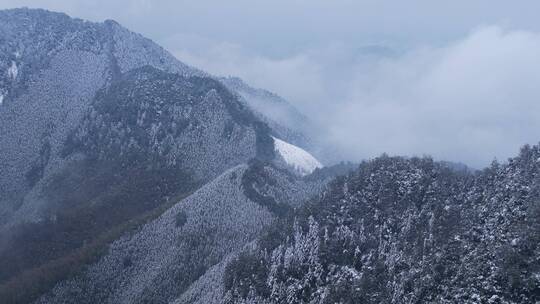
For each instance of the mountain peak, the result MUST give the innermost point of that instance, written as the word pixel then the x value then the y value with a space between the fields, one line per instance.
pixel 111 22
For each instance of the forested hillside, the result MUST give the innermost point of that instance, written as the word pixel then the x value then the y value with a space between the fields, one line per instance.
pixel 160 262
pixel 403 230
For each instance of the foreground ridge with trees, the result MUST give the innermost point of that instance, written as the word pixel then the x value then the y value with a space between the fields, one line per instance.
pixel 401 230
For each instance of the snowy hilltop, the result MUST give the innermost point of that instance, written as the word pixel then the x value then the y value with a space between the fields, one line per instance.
pixel 299 159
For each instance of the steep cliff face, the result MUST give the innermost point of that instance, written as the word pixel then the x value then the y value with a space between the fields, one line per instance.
pixel 404 231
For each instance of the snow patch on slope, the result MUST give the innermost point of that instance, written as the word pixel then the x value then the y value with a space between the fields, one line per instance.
pixel 13 71
pixel 296 157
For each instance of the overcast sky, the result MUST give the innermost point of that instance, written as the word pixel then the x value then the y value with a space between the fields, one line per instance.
pixel 458 80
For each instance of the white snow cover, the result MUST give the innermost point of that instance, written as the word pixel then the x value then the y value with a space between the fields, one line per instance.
pixel 13 71
pixel 1 99
pixel 296 157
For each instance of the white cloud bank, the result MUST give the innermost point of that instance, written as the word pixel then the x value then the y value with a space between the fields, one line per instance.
pixel 471 101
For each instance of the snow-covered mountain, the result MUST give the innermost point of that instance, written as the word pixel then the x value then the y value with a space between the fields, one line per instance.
pixel 62 79
pixel 160 262
pixel 54 66
pixel 401 230
pixel 127 176
pixel 101 132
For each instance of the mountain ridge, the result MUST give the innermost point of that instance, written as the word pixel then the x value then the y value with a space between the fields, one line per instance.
pixel 102 128
pixel 404 230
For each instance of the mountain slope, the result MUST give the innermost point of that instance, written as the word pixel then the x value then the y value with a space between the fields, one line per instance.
pixel 166 255
pixel 129 177
pixel 285 121
pixel 101 128
pixel 161 261
pixel 404 231
pixel 116 172
pixel 60 64
pixel 297 158
pixel 102 132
